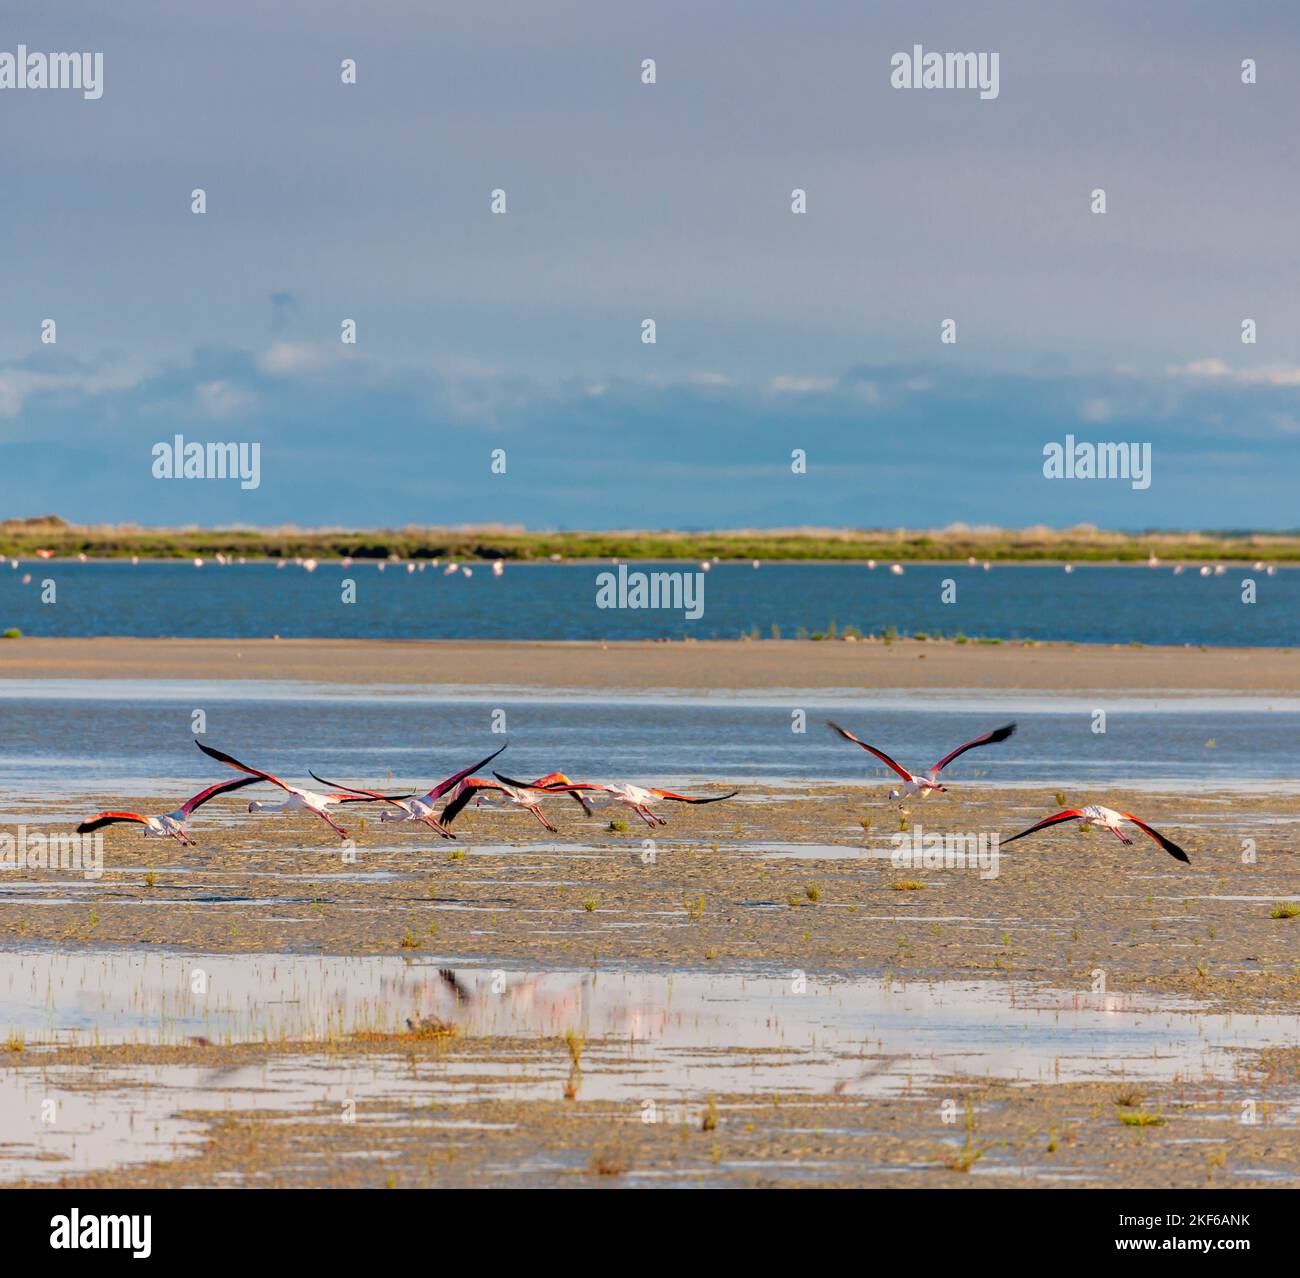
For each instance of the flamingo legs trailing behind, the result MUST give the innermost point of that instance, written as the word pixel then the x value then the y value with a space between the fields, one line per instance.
pixel 299 800
pixel 1095 817
pixel 172 824
pixel 923 785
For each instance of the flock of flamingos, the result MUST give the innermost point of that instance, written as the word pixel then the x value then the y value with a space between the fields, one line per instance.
pixel 462 788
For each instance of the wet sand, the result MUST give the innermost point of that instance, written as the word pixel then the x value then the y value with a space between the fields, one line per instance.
pixel 721 664
pixel 776 881
pixel 776 878
pixel 962 1133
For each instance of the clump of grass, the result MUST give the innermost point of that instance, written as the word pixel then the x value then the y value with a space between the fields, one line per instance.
pixel 968 1155
pixel 607 1162
pixel 590 904
pixel 575 1043
pixel 694 909
pixel 151 879
pixel 709 1123
pixel 429 1027
pixel 410 941
pixel 1285 910
pixel 1140 1118
pixel 813 893
pixel 907 885
pixel 12 633
pixel 865 823
pixel 15 1042
pixel 1061 800
pixel 618 826
pixel 457 854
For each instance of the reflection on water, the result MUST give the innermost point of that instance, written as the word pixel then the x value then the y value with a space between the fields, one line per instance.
pixel 672 1038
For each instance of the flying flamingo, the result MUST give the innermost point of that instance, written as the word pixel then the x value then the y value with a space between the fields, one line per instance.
pixel 1095 817
pixel 420 809
pixel 299 800
pixel 559 782
pixel 515 794
pixel 922 785
pixel 173 823
pixel 636 797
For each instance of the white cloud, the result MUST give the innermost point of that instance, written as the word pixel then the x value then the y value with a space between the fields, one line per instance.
pixel 1260 375
pixel 1096 409
pixel 282 359
pixel 222 398
pixel 10 400
pixel 801 385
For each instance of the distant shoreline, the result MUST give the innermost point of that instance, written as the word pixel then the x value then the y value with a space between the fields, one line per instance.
pixel 690 666
pixel 53 538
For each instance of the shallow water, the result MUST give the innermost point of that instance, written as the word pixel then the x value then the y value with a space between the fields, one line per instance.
pixel 1092 604
pixel 87 736
pixel 672 1039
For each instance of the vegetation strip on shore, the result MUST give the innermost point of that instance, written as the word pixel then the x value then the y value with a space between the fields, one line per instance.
pixel 23 538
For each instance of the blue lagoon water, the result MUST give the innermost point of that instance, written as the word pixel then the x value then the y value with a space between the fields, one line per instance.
pixel 558 601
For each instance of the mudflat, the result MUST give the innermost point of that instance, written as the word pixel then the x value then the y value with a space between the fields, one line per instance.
pixel 694 666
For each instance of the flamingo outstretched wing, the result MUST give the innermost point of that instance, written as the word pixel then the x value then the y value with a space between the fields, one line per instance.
pixel 989 738
pixel 684 798
pixel 222 787
pixel 230 761
pixel 445 787
pixel 880 754
pixel 1070 814
pixel 559 782
pixel 1168 844
pixel 110 818
pixel 353 794
pixel 458 803
pixel 556 783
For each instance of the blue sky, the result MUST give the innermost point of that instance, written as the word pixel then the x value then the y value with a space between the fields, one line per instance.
pixel 670 201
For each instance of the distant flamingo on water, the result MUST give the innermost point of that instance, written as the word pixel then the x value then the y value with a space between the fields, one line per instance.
pixel 923 785
pixel 1095 817
pixel 420 809
pixel 299 800
pixel 172 824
